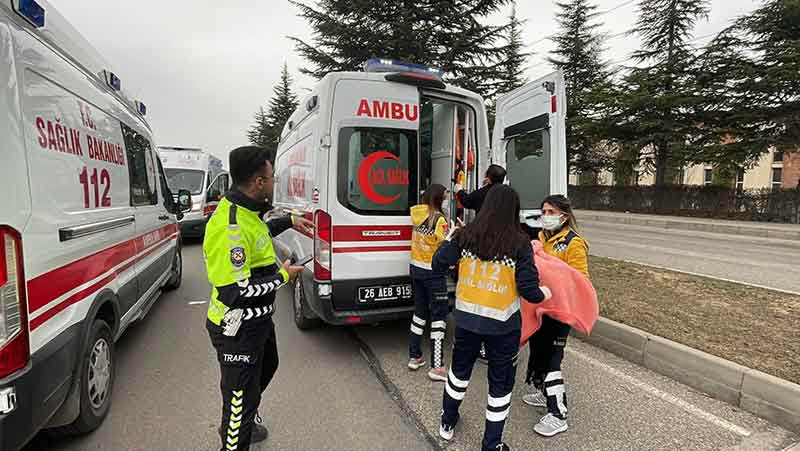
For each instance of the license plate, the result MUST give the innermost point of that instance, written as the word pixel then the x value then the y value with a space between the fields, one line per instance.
pixel 384 293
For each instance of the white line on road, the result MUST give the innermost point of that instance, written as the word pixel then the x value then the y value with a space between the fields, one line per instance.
pixel 721 279
pixel 649 389
pixel 197 302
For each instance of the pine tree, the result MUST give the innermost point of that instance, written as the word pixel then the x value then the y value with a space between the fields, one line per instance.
pixel 266 131
pixel 345 33
pixel 283 102
pixel 750 80
pixel 514 54
pixel 579 47
pixel 260 133
pixel 661 98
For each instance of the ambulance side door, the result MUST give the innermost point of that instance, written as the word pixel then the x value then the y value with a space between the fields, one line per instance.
pixel 529 139
pixel 154 225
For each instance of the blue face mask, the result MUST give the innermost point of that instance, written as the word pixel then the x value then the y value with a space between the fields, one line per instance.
pixel 551 222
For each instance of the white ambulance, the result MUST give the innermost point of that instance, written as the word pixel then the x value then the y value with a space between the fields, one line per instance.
pixel 360 150
pixel 201 174
pixel 88 229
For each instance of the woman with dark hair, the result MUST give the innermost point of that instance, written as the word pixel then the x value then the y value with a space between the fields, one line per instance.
pixel 495 270
pixel 559 238
pixel 430 290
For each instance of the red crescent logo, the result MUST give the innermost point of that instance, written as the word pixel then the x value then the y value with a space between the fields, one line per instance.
pixel 363 177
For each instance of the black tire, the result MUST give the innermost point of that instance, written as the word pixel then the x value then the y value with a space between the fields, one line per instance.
pixel 300 307
pixel 176 278
pixel 94 407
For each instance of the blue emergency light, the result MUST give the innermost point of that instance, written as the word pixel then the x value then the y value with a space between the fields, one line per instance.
pixel 31 11
pixel 112 80
pixel 387 65
pixel 141 108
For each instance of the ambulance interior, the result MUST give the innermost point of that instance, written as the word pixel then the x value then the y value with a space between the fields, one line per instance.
pixel 447 150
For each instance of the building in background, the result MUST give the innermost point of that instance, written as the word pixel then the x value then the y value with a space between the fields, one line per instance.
pixel 778 170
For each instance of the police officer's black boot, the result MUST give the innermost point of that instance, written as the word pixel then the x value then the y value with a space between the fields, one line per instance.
pixel 259 432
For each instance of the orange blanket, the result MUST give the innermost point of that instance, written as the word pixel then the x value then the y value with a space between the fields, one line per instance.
pixel 574 300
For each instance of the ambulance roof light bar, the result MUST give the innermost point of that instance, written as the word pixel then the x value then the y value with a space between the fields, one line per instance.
pixel 112 80
pixel 141 107
pixel 31 11
pixel 387 65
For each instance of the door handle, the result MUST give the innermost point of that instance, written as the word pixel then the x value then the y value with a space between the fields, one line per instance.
pixel 163 218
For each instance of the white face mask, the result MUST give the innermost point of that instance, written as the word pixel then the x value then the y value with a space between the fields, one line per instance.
pixel 551 222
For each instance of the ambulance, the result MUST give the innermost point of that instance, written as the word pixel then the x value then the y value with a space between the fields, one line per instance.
pixel 89 236
pixel 201 174
pixel 360 150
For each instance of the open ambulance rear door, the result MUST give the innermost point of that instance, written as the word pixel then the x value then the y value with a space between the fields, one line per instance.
pixel 529 139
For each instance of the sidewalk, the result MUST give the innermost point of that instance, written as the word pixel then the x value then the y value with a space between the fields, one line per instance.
pixel 764 229
pixel 615 405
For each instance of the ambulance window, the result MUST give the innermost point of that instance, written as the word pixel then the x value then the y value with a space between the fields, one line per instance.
pixel 141 166
pixel 375 175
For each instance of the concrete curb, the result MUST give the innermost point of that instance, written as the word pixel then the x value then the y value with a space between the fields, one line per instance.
pixel 769 397
pixel 692 225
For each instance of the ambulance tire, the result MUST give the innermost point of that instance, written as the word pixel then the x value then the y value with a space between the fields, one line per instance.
pixel 301 309
pixel 176 278
pixel 93 411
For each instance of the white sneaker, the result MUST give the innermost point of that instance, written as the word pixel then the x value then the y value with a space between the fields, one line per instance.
pixel 535 399
pixel 550 425
pixel 415 364
pixel 446 432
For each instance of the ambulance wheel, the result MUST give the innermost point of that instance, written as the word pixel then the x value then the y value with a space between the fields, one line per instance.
pixel 301 310
pixel 96 378
pixel 177 271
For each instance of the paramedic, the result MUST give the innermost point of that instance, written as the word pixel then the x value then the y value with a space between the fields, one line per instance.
pixel 430 291
pixel 244 276
pixel 495 270
pixel 495 175
pixel 545 378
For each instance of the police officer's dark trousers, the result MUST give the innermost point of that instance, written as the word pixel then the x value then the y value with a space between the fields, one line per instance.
pixel 430 299
pixel 501 352
pixel 544 364
pixel 248 362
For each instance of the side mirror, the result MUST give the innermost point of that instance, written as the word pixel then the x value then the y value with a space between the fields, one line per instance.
pixel 184 200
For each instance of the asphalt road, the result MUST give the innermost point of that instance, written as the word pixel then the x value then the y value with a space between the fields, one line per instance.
pixel 340 389
pixel 166 396
pixel 767 262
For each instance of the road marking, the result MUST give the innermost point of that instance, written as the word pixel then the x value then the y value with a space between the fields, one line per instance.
pixel 707 276
pixel 653 391
pixel 197 302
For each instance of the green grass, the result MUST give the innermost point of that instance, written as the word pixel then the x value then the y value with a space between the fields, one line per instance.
pixel 754 327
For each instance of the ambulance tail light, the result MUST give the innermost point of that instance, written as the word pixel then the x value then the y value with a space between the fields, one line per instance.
pixel 322 245
pixel 14 348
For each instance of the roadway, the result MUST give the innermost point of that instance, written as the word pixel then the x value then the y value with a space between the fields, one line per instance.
pixel 348 389
pixel 768 262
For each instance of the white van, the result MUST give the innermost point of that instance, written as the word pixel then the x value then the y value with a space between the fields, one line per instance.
pixel 201 174
pixel 88 229
pixel 363 146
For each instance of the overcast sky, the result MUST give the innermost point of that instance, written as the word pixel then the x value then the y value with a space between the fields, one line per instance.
pixel 204 69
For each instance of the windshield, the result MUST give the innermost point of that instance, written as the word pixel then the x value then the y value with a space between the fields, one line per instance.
pixel 188 179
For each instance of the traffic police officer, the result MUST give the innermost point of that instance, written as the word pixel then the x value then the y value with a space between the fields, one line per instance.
pixel 243 271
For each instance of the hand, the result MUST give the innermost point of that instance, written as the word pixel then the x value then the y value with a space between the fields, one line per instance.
pixel 453 227
pixel 547 293
pixel 303 225
pixel 292 270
